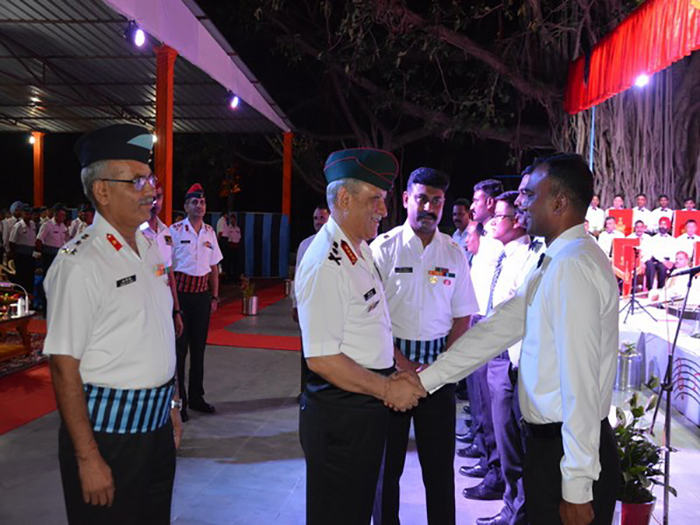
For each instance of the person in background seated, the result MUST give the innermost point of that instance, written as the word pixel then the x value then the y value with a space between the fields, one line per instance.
pixel 675 287
pixel 686 241
pixel 661 253
pixel 595 216
pixel 605 239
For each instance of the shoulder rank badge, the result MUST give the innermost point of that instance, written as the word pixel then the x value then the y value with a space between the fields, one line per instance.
pixel 114 242
pixel 348 251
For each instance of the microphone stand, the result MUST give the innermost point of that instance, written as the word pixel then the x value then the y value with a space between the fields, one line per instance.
pixel 633 299
pixel 667 389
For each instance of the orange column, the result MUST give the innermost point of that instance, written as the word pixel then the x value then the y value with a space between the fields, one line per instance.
pixel 287 174
pixel 165 82
pixel 38 137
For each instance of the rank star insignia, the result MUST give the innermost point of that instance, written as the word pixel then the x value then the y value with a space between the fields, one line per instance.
pixel 348 251
pixel 334 258
pixel 114 242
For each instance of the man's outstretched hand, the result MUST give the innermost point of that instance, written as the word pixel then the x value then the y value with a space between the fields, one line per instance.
pixel 403 391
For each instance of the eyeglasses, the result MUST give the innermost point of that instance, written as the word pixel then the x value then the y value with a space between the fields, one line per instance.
pixel 422 200
pixel 497 218
pixel 138 182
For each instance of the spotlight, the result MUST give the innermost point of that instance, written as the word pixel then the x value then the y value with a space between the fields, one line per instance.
pixel 35 99
pixel 135 34
pixel 32 140
pixel 233 101
pixel 642 80
pixel 155 138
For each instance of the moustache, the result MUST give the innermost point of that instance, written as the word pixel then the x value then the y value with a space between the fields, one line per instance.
pixel 427 215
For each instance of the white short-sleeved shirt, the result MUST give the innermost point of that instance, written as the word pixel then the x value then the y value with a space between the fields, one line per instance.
pixel 663 247
pixel 644 215
pixel 303 246
pixel 52 234
pixel 7 225
pixel 194 254
pixel 23 234
pixel 595 218
pixel 111 309
pixel 605 241
pixel 460 237
pixel 76 226
pixel 162 238
pixel 426 288
pixel 686 243
pixel 657 215
pixel 341 302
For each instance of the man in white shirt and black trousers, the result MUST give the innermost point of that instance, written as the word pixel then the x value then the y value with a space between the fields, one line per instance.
pixel 430 297
pixel 566 314
pixel 112 344
pixel 196 257
pixel 347 343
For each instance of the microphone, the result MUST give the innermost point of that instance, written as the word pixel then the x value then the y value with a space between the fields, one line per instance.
pixel 688 271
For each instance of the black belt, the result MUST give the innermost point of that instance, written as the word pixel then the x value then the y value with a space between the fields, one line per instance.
pixel 546 431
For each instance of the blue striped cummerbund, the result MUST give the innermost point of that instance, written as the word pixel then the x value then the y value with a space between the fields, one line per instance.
pixel 424 352
pixel 117 411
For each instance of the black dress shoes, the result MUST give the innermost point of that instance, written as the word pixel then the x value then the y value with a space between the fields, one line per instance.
pixel 476 471
pixel 498 519
pixel 483 492
pixel 471 451
pixel 184 416
pixel 466 437
pixel 202 406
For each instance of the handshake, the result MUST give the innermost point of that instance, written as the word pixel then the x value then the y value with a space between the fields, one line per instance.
pixel 403 390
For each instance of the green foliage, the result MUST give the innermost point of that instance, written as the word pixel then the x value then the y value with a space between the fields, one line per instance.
pixel 640 458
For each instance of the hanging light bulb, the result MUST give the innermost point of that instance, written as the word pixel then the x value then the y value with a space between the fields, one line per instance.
pixel 642 80
pixel 135 34
pixel 233 101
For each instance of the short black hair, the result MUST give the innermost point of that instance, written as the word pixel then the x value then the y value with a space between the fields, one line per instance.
pixel 491 187
pixel 610 218
pixel 58 207
pixel 509 197
pixel 323 206
pixel 689 221
pixel 462 202
pixel 619 195
pixel 641 195
pixel 688 199
pixel 640 222
pixel 571 176
pixel 529 169
pixel 429 177
pixel 663 196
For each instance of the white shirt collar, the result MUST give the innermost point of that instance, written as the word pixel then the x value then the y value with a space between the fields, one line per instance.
pixel 570 235
pixel 513 245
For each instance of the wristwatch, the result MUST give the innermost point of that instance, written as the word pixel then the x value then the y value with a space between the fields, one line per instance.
pixel 176 403
pixel 175 312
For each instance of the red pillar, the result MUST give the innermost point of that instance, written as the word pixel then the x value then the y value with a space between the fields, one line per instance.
pixel 165 69
pixel 287 174
pixel 38 137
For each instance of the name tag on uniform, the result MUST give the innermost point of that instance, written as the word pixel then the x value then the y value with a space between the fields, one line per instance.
pixel 406 269
pixel 126 280
pixel 370 294
pixel 184 242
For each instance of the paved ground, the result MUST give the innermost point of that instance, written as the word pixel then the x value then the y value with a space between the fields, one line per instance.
pixel 244 465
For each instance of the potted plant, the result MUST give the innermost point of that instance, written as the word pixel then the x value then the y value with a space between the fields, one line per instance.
pixel 640 460
pixel 250 300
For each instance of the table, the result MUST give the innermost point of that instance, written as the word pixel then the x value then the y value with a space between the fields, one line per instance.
pixel 20 325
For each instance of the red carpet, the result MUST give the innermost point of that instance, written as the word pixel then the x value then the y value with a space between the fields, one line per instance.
pixel 231 312
pixel 25 396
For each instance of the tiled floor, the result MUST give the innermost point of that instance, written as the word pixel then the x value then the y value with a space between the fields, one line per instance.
pixel 244 465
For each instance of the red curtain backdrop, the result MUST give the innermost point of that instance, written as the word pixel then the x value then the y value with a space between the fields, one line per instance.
pixel 656 34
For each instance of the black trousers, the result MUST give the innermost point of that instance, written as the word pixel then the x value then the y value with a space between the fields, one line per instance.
pixel 434 422
pixel 656 268
pixel 24 266
pixel 143 470
pixel 343 446
pixel 505 409
pixel 196 311
pixel 542 478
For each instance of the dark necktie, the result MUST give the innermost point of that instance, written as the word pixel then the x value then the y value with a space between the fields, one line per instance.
pixel 496 274
pixel 540 261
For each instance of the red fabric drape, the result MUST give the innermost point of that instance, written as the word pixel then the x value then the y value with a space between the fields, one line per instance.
pixel 656 34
